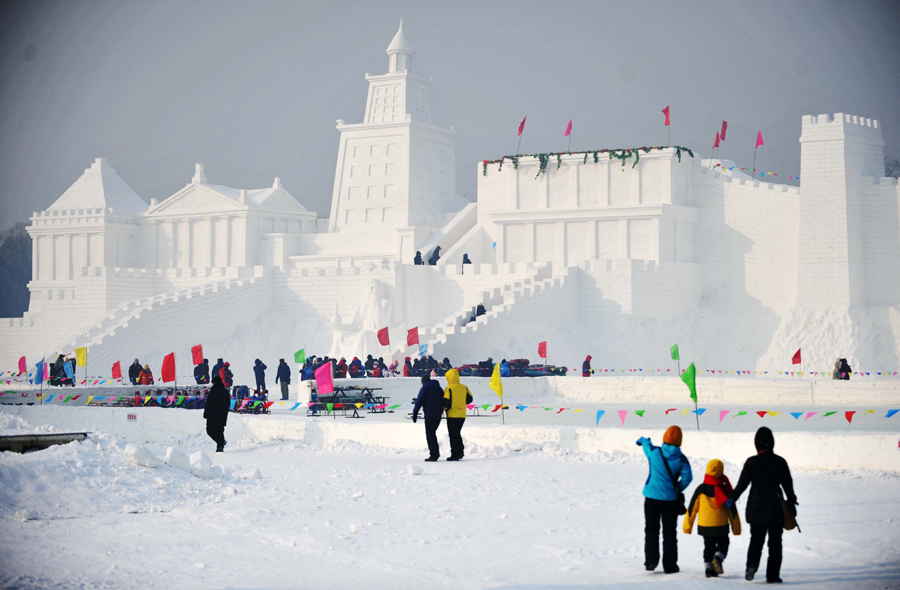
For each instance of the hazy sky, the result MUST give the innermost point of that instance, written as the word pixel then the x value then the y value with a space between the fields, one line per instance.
pixel 252 89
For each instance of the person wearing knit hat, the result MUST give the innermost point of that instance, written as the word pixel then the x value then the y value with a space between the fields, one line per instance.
pixel 709 507
pixel 767 474
pixel 670 474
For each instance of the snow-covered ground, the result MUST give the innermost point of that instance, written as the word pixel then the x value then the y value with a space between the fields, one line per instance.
pixel 345 515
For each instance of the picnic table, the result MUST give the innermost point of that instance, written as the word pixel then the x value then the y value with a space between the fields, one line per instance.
pixel 349 398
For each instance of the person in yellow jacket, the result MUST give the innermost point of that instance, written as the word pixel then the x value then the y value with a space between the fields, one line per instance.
pixel 710 507
pixel 456 397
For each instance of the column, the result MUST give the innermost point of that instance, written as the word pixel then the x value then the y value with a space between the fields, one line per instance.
pixel 52 258
pixel 211 239
pixel 35 259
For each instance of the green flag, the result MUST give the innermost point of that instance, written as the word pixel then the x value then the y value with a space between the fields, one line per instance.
pixel 675 356
pixel 689 378
pixel 300 356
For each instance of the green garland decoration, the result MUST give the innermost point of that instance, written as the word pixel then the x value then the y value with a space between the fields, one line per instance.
pixel 623 155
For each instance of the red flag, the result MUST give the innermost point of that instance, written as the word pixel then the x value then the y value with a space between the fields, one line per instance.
pixel 724 127
pixel 542 350
pixel 197 354
pixel 168 368
pixel 715 145
pixel 521 129
pixel 117 370
pixel 849 416
pixel 383 338
pixel 412 336
pixel 568 128
pixel 796 360
pixel 759 140
pixel 666 113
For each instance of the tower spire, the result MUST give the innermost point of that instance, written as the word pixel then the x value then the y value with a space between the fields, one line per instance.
pixel 400 52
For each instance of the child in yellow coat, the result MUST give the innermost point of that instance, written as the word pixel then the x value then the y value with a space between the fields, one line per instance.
pixel 709 507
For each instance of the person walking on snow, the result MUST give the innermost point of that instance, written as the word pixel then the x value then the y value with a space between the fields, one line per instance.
pixel 201 372
pixel 767 474
pixel 283 374
pixel 661 498
pixel 217 368
pixel 456 397
pixel 218 402
pixel 431 401
pixel 259 369
pixel 709 506
pixel 586 367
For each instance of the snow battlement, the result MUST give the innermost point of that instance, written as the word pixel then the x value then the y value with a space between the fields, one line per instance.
pixel 832 127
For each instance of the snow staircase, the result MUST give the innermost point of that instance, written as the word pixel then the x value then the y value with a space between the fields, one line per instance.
pixel 501 302
pixel 127 313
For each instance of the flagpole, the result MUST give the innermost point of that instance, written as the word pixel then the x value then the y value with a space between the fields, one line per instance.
pixel 754 163
pixel 502 410
pixel 696 414
pixel 518 145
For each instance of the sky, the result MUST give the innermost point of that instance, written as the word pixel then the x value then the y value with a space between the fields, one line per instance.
pixel 252 89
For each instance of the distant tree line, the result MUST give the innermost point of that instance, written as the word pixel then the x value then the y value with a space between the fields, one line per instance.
pixel 15 271
pixel 891 167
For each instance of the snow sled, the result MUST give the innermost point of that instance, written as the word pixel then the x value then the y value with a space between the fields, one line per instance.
pixel 545 371
pixel 473 371
pixel 517 367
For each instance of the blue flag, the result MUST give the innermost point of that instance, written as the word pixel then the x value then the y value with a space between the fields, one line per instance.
pixel 69 372
pixel 423 349
pixel 600 415
pixel 39 372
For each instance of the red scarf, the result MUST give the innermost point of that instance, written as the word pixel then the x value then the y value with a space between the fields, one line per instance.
pixel 721 485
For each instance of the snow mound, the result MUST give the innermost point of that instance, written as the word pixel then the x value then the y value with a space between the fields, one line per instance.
pixel 254 474
pixel 414 469
pixel 141 456
pixel 25 515
pixel 177 459
pixel 202 465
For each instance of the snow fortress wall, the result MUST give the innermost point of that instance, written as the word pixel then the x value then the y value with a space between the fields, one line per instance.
pixel 803 450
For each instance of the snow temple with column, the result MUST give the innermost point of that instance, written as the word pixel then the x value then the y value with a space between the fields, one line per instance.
pixel 614 255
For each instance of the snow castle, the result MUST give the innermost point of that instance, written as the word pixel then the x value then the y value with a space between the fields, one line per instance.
pixel 615 257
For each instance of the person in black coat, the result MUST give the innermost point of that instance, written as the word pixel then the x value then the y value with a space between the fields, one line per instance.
pixel 767 474
pixel 201 372
pixel 431 401
pixel 284 376
pixel 369 364
pixel 435 256
pixel 134 372
pixel 218 403
pixel 465 261
pixel 418 259
pixel 259 369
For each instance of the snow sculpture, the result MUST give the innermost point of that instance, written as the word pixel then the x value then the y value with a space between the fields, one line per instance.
pixel 359 336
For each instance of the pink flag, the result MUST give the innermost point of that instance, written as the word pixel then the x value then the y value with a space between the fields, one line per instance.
pixel 715 145
pixel 666 113
pixel 23 368
pixel 324 385
pixel 522 126
pixel 722 414
pixel 622 414
pixel 568 128
pixel 759 140
pixel 810 415
pixel 724 127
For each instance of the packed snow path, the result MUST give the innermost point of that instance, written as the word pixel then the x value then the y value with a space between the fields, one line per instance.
pixel 349 516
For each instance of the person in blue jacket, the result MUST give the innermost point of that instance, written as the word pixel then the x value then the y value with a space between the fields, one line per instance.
pixel 504 368
pixel 431 401
pixel 661 498
pixel 259 369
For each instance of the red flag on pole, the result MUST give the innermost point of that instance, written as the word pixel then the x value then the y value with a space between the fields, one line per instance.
pixel 168 368
pixel 197 354
pixel 117 370
pixel 759 140
pixel 23 367
pixel 522 126
pixel 412 336
pixel 568 128
pixel 796 360
pixel 724 127
pixel 542 350
pixel 666 113
pixel 715 145
pixel 383 338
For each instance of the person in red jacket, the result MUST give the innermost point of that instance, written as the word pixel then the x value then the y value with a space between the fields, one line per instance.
pixel 146 376
pixel 226 375
pixel 407 368
pixel 342 369
pixel 586 367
